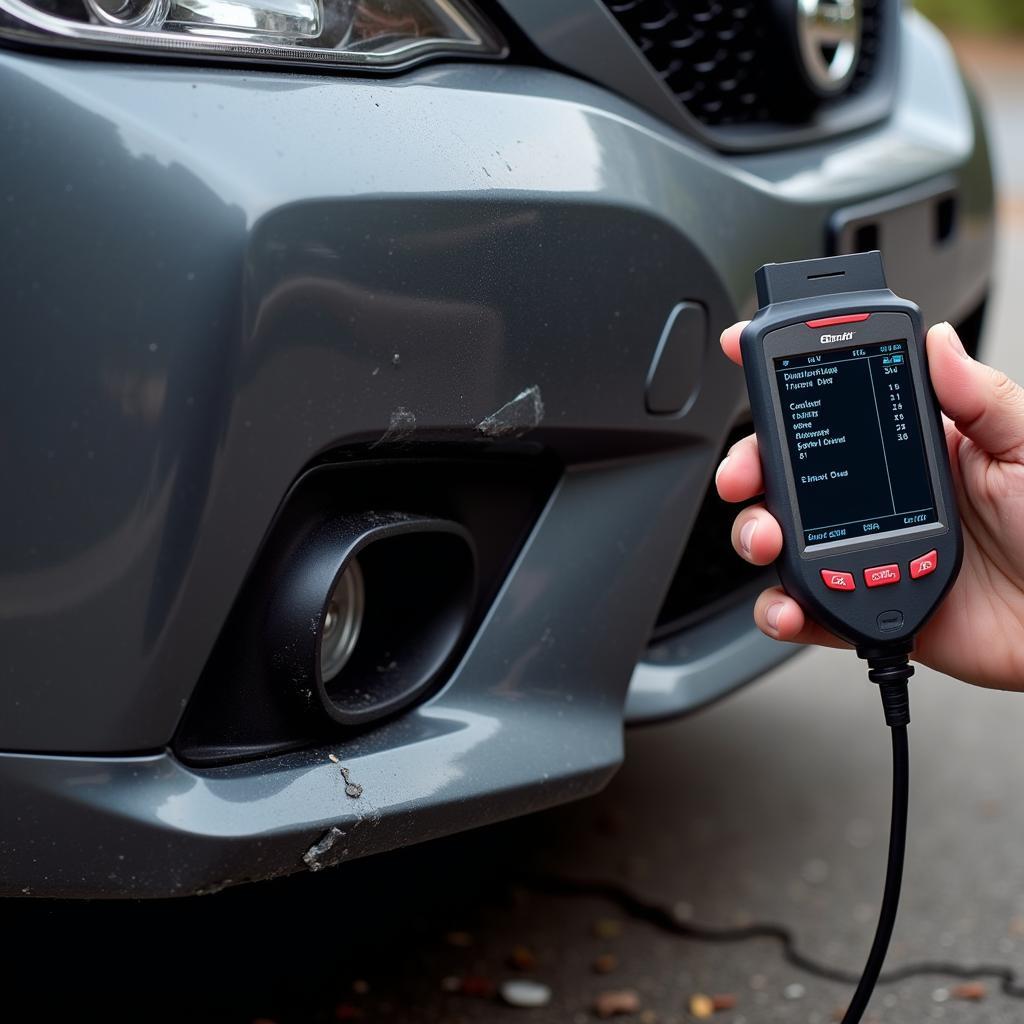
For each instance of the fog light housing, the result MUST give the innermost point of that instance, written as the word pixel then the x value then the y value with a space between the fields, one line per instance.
pixel 357 640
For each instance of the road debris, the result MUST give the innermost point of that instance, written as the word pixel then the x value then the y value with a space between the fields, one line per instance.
pixel 794 991
pixel 606 928
pixel 522 959
pixel 617 1001
pixel 333 757
pixel 701 1006
pixel 477 986
pixel 970 991
pixel 526 994
pixel 312 856
pixel 605 963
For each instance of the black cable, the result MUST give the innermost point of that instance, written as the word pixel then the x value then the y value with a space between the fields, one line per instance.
pixel 890 668
pixel 893 876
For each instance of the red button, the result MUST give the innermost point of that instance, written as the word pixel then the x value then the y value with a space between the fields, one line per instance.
pixel 882 575
pixel 838 580
pixel 831 321
pixel 924 565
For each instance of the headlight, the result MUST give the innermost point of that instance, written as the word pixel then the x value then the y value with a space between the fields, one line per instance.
pixel 361 33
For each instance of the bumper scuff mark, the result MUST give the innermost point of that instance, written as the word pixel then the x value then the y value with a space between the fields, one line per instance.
pixel 401 425
pixel 516 417
pixel 352 789
pixel 312 856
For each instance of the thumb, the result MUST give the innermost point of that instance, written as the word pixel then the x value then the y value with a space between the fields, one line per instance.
pixel 986 405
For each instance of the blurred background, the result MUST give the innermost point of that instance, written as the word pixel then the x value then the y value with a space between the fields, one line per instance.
pixel 979 17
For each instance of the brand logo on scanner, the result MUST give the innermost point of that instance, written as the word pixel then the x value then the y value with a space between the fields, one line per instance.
pixel 827 339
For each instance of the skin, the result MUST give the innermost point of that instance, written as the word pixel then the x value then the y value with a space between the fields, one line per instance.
pixel 978 633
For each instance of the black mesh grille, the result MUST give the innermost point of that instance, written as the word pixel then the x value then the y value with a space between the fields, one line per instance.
pixel 721 57
pixel 870 44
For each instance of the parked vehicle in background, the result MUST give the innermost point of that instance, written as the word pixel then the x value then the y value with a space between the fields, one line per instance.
pixel 362 394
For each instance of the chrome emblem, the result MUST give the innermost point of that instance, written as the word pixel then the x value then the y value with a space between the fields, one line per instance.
pixel 829 33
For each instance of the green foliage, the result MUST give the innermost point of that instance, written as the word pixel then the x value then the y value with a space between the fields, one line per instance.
pixel 992 16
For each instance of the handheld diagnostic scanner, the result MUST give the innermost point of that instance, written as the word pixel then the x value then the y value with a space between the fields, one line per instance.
pixel 856 471
pixel 853 451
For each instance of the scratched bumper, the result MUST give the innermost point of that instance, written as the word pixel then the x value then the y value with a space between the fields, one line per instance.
pixel 208 279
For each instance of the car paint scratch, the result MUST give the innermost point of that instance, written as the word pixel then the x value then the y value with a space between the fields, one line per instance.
pixel 516 417
pixel 401 425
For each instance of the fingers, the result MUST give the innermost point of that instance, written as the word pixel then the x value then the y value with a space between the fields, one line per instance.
pixel 730 341
pixel 777 615
pixel 984 403
pixel 757 536
pixel 739 475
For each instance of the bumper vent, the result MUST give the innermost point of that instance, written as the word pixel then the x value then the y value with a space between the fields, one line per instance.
pixel 724 61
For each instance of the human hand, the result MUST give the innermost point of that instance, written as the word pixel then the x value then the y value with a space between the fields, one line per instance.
pixel 977 634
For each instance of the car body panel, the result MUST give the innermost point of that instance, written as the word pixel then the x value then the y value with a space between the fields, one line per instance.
pixel 214 278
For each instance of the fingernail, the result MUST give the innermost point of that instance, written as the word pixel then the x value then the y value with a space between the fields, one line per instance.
pixel 721 466
pixel 747 531
pixel 954 341
pixel 772 615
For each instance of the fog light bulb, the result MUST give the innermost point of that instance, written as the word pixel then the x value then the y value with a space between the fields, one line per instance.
pixel 342 621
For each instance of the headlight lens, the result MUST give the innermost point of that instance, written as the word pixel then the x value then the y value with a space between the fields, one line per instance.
pixel 363 33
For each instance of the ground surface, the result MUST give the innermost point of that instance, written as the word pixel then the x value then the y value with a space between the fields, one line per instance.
pixel 770 807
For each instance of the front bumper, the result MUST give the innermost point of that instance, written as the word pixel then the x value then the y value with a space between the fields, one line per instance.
pixel 214 278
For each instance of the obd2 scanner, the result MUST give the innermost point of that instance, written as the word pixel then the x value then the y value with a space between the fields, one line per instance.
pixel 856 472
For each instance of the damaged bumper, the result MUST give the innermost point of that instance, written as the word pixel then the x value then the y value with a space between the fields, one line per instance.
pixel 283 272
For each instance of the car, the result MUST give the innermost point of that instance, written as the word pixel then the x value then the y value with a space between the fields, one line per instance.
pixel 362 395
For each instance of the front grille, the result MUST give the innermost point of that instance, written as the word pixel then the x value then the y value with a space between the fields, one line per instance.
pixel 722 58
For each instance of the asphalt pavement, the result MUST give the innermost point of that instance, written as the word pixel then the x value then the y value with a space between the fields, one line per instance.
pixel 770 808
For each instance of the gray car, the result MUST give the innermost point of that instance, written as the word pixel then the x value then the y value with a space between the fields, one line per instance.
pixel 362 397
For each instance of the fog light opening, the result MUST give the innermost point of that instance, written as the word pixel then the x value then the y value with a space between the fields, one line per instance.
pixel 342 621
pixel 358 640
pixel 418 587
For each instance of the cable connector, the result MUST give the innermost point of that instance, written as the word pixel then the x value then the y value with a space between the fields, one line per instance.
pixel 890 668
